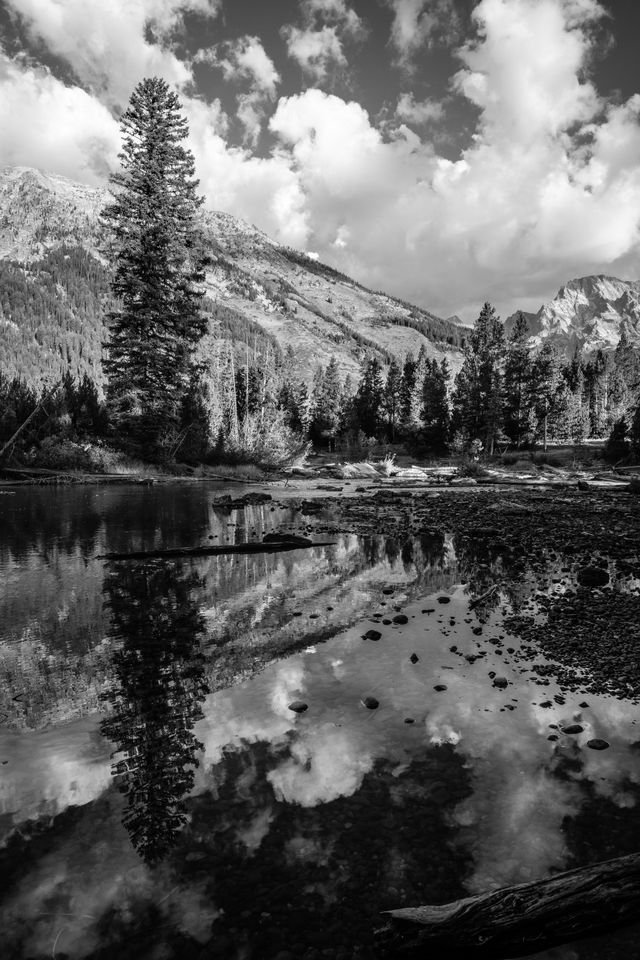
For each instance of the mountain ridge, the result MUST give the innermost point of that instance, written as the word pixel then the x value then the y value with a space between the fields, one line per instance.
pixel 254 284
pixel 587 314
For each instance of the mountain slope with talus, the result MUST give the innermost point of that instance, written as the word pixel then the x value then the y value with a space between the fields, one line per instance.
pixel 258 291
pixel 587 314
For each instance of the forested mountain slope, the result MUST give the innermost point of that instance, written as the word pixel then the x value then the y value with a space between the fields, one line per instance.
pixel 260 295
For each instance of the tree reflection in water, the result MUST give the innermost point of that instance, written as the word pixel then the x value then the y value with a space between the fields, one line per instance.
pixel 157 698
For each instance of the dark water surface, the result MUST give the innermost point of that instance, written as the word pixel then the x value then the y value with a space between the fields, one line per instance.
pixel 159 799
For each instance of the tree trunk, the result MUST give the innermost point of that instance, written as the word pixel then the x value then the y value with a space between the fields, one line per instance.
pixel 521 920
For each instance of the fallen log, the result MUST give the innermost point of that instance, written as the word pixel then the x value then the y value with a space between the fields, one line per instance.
pixel 521 920
pixel 236 548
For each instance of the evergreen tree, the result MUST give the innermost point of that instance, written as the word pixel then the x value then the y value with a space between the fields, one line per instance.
pixel 578 410
pixel 596 379
pixel 392 398
pixel 518 374
pixel 544 382
pixel 368 401
pixel 478 393
pixel 435 411
pixel 158 259
pixel 408 391
pixel 325 400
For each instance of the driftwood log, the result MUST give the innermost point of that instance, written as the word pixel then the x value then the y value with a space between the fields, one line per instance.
pixel 521 920
pixel 236 548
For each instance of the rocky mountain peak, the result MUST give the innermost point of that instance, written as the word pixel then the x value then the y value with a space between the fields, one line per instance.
pixel 589 314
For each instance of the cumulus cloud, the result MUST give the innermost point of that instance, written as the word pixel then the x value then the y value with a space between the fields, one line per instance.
pixel 107 44
pixel 419 112
pixel 245 59
pixel 47 124
pixel 319 44
pixel 418 23
pixel 548 188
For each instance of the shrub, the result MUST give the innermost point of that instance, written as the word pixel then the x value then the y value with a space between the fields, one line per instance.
pixel 267 442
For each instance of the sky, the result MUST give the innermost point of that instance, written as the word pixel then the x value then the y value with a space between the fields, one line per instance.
pixel 450 152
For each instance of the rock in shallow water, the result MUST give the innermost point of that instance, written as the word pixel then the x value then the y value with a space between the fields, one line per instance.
pixel 598 744
pixel 500 682
pixel 372 635
pixel 298 706
pixel 401 618
pixel 414 658
pixel 573 728
pixel 439 687
pixel 370 703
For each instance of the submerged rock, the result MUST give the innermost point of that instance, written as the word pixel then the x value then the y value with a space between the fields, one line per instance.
pixel 401 618
pixel 371 635
pixel 370 703
pixel 414 658
pixel 440 687
pixel 500 682
pixel 597 744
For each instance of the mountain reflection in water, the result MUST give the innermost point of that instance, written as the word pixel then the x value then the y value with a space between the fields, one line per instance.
pixel 239 828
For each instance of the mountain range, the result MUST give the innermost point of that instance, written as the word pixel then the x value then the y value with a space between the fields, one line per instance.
pixel 54 290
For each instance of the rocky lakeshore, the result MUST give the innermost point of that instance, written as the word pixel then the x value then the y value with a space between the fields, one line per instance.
pixel 563 566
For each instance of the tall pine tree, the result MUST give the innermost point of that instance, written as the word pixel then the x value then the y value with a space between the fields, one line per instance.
pixel 477 398
pixel 158 260
pixel 518 412
pixel 435 405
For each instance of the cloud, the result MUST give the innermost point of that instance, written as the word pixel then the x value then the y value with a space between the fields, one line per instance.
pixel 419 112
pixel 108 44
pixel 246 59
pixel 47 124
pixel 319 44
pixel 418 23
pixel 548 188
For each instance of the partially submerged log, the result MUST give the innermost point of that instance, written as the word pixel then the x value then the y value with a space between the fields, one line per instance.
pixel 268 545
pixel 521 920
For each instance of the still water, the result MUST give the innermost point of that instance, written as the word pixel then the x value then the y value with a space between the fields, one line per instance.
pixel 160 799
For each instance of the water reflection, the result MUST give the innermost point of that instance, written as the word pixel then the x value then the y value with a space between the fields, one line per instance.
pixel 249 830
pixel 156 696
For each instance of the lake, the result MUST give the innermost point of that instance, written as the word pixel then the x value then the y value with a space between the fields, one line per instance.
pixel 159 798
